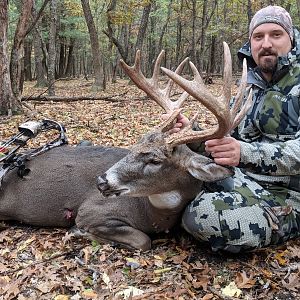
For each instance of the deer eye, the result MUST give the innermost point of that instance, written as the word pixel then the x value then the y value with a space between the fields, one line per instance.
pixel 154 161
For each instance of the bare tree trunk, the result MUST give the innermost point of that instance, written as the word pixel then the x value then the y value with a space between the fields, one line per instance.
pixel 40 57
pixel 114 68
pixel 114 65
pixel 205 22
pixel 52 48
pixel 212 65
pixel 202 37
pixel 62 58
pixel 194 14
pixel 17 52
pixel 179 33
pixel 27 59
pixel 298 7
pixel 151 43
pixel 122 45
pixel 7 99
pixel 165 26
pixel 249 11
pixel 70 61
pixel 143 27
pixel 98 73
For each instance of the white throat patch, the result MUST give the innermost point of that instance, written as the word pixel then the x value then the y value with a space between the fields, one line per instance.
pixel 169 200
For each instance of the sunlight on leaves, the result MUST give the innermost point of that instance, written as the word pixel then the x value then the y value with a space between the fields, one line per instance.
pixel 231 290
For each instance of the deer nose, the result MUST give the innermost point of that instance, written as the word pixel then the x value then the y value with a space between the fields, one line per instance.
pixel 102 183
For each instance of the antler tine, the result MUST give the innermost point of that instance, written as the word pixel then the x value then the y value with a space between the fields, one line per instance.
pixel 243 111
pixel 237 113
pixel 168 123
pixel 147 85
pixel 241 90
pixel 197 89
pixel 137 61
pixel 151 85
pixel 227 75
pixel 178 103
pixel 156 69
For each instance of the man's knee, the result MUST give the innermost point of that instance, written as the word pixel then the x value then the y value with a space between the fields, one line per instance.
pixel 231 229
pixel 200 217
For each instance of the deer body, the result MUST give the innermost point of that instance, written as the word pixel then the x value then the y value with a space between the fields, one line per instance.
pixel 59 181
pixel 61 191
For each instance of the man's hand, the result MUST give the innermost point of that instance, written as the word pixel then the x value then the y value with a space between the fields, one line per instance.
pixel 225 151
pixel 181 122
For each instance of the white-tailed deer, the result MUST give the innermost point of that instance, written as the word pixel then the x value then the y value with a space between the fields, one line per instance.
pixel 61 191
pixel 161 166
pixel 61 188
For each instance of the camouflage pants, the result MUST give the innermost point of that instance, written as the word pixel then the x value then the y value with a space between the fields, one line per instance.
pixel 240 214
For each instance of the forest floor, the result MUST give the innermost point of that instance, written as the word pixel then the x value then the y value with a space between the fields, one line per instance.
pixel 47 263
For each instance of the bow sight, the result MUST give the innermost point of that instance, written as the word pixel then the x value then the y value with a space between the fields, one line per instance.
pixel 9 156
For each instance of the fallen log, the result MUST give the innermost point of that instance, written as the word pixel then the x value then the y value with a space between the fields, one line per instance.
pixel 41 98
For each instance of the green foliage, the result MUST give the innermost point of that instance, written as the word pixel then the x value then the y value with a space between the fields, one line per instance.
pixel 127 11
pixel 73 8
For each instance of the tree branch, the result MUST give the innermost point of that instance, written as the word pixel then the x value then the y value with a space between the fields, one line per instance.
pixel 37 17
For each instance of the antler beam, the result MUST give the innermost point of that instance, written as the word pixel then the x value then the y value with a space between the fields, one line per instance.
pixel 227 118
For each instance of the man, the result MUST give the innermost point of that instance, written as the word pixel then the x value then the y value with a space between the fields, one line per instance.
pixel 260 204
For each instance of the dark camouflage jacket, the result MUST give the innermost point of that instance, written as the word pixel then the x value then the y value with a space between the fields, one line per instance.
pixel 270 133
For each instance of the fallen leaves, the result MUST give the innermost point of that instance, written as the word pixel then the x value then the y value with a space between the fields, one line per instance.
pixel 245 282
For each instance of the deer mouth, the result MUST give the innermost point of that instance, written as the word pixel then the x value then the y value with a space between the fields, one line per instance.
pixel 111 193
pixel 107 190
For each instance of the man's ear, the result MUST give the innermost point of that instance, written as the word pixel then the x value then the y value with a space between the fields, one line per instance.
pixel 204 169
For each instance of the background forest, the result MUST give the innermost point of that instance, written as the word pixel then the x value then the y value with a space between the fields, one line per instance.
pixel 52 39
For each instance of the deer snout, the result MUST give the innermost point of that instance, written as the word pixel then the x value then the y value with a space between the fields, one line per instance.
pixel 109 189
pixel 102 183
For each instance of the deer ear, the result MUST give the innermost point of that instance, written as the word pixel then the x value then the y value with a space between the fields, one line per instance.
pixel 204 169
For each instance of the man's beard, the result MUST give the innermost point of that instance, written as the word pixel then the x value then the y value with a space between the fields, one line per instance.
pixel 269 64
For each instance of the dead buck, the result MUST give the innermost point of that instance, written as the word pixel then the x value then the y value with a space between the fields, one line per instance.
pixel 61 188
pixel 161 166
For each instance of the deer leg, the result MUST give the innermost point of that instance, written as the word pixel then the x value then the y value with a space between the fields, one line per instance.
pixel 105 226
pixel 125 236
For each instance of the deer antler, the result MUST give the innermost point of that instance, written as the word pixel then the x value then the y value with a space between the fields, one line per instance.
pixel 227 118
pixel 151 87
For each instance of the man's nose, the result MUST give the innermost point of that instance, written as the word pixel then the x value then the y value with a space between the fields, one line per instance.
pixel 266 43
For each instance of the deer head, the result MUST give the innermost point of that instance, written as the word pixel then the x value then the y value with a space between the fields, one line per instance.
pixel 161 162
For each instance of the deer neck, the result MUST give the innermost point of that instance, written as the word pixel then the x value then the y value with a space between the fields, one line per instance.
pixel 173 201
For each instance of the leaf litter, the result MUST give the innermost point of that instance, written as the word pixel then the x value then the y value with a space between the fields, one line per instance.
pixel 49 263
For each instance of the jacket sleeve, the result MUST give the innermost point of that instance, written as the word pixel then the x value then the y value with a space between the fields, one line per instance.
pixel 277 158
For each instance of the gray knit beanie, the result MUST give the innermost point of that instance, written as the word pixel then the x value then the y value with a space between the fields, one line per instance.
pixel 272 14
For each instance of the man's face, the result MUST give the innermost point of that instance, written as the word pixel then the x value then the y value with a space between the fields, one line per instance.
pixel 268 41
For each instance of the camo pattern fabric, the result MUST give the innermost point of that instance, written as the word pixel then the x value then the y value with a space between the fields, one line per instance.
pixel 240 214
pixel 260 204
